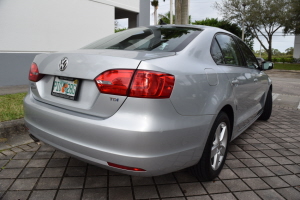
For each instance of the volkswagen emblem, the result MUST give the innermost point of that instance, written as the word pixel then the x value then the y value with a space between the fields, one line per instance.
pixel 63 64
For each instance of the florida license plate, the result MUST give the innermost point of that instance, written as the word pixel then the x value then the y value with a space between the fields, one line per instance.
pixel 65 87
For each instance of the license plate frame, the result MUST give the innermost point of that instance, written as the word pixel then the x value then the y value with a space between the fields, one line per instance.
pixel 68 91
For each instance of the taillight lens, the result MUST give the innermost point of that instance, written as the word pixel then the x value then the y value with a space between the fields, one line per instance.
pixel 114 81
pixel 34 74
pixel 144 84
pixel 151 84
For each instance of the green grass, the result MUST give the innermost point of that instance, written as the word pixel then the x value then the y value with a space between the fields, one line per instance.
pixel 286 66
pixel 11 106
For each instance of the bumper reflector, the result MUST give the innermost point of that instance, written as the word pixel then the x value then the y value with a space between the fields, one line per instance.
pixel 125 167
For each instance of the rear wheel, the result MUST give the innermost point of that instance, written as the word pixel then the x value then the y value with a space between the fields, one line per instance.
pixel 215 152
pixel 267 107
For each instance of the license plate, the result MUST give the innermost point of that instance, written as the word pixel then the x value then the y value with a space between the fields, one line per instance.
pixel 65 87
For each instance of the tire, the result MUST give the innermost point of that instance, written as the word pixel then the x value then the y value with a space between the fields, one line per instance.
pixel 210 165
pixel 267 107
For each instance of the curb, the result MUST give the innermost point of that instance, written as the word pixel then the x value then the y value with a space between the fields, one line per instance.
pixel 284 70
pixel 12 127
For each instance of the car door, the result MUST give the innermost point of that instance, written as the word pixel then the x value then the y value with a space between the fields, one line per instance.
pixel 239 76
pixel 259 84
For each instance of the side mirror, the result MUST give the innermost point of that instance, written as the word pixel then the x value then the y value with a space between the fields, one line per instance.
pixel 267 65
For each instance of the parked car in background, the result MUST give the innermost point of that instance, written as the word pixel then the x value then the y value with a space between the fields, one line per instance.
pixel 261 61
pixel 150 100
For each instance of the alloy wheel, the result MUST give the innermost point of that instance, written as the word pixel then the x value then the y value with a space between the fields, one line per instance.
pixel 219 146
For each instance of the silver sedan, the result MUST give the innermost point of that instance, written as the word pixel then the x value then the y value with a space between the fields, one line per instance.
pixel 149 100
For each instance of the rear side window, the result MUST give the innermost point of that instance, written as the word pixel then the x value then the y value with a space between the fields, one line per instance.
pixel 153 38
pixel 230 50
pixel 216 52
pixel 250 59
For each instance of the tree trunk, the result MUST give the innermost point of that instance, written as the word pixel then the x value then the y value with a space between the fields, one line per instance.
pixel 155 15
pixel 185 12
pixel 178 11
pixel 270 49
pixel 181 11
pixel 171 12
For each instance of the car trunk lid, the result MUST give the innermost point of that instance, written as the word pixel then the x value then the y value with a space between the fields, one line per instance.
pixel 84 66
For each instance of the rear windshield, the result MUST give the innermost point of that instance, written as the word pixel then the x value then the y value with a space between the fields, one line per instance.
pixel 161 39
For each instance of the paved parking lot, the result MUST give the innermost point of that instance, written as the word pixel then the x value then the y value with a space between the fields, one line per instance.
pixel 286 88
pixel 263 163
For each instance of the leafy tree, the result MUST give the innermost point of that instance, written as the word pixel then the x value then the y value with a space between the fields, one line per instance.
pixel 261 17
pixel 228 26
pixel 293 25
pixel 166 17
pixel 276 52
pixel 289 51
pixel 262 54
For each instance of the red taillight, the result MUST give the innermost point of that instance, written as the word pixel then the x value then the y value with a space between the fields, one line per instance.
pixel 125 167
pixel 34 74
pixel 150 84
pixel 145 84
pixel 114 81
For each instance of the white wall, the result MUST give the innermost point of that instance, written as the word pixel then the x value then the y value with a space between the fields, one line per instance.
pixel 297 47
pixel 131 5
pixel 53 25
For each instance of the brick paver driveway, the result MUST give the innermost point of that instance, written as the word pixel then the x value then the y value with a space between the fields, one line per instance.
pixel 263 163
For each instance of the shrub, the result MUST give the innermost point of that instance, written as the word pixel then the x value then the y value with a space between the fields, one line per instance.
pixel 120 29
pixel 282 60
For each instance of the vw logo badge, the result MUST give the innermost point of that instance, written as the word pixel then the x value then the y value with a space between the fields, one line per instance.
pixel 63 64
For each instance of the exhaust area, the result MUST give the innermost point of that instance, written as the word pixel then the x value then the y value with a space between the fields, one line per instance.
pixel 34 139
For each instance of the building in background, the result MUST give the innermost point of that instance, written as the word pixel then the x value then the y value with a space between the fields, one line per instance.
pixel 28 27
pixel 43 25
pixel 297 47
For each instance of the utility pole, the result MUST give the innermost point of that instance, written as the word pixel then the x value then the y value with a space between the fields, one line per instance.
pixel 171 11
pixel 243 33
pixel 260 51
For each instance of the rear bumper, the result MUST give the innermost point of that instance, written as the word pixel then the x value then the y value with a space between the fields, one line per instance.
pixel 153 137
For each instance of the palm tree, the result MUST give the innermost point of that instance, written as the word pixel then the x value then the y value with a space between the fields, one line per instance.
pixel 154 3
pixel 166 17
pixel 181 11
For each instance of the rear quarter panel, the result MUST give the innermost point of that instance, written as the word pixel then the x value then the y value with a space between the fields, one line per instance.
pixel 201 88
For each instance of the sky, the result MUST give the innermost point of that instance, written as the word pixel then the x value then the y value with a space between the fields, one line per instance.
pixel 201 9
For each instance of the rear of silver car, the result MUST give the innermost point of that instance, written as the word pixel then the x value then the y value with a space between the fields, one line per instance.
pixel 148 101
pixel 132 135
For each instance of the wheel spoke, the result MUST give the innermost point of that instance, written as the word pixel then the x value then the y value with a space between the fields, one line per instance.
pixel 217 134
pixel 222 150
pixel 222 134
pixel 214 151
pixel 216 160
